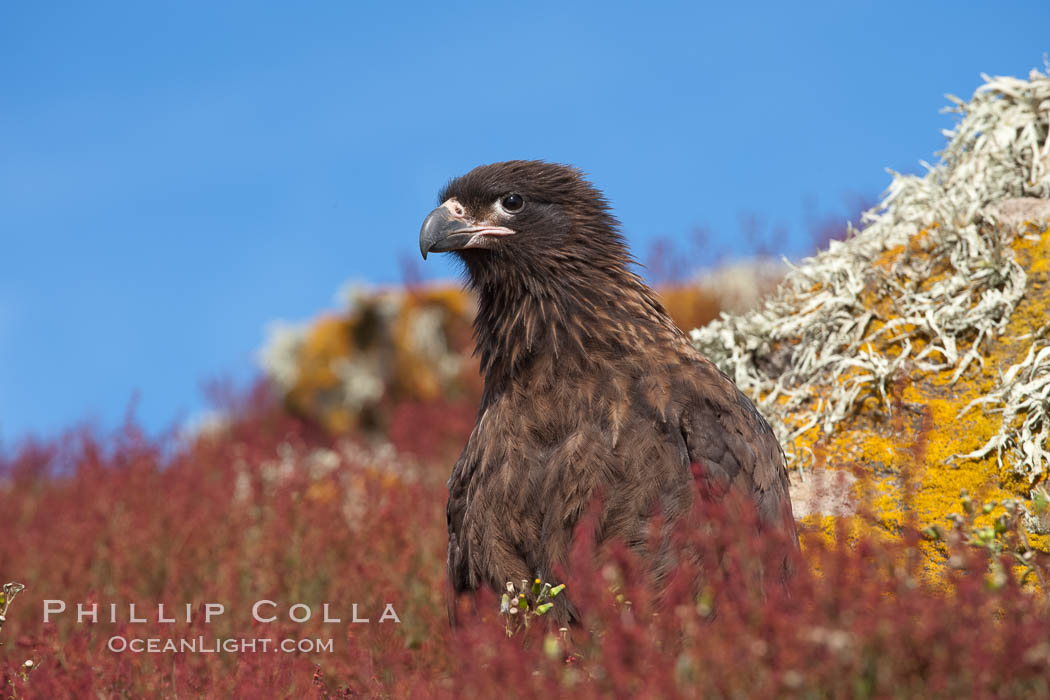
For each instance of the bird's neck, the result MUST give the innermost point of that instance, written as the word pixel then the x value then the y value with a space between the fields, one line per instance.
pixel 564 322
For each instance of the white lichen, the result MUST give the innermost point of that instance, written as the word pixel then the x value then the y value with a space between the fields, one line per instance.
pixel 807 356
pixel 279 357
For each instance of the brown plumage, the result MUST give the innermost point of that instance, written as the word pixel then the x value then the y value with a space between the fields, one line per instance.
pixel 590 388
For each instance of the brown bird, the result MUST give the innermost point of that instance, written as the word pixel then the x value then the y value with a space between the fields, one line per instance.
pixel 590 388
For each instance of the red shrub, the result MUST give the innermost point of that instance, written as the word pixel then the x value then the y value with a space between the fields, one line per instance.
pixel 268 509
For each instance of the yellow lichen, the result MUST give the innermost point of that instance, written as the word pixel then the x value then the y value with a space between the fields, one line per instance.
pixel 908 459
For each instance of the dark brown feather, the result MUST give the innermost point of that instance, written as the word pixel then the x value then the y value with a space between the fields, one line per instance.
pixel 590 389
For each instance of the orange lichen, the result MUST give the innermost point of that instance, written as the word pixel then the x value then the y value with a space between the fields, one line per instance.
pixel 908 457
pixel 688 306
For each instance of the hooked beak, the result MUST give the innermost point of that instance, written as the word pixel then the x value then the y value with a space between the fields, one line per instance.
pixel 447 228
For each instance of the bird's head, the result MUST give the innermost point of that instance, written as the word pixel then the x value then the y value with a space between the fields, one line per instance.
pixel 546 258
pixel 522 213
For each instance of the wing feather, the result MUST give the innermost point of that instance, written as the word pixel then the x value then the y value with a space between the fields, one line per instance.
pixel 733 445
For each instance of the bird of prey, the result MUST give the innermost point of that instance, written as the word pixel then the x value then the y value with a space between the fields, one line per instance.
pixel 589 387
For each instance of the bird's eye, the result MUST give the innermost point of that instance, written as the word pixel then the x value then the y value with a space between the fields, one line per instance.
pixel 513 202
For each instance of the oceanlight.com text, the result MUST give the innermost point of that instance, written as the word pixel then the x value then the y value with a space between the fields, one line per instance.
pixel 214 645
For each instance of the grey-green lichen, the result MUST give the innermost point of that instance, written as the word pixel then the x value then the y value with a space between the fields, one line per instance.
pixel 927 284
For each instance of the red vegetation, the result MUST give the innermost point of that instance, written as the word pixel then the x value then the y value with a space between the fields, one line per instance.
pixel 252 513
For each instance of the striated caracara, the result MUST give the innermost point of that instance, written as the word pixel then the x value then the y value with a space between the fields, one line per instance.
pixel 590 388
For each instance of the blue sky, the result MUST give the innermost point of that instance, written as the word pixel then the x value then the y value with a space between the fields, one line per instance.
pixel 175 175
